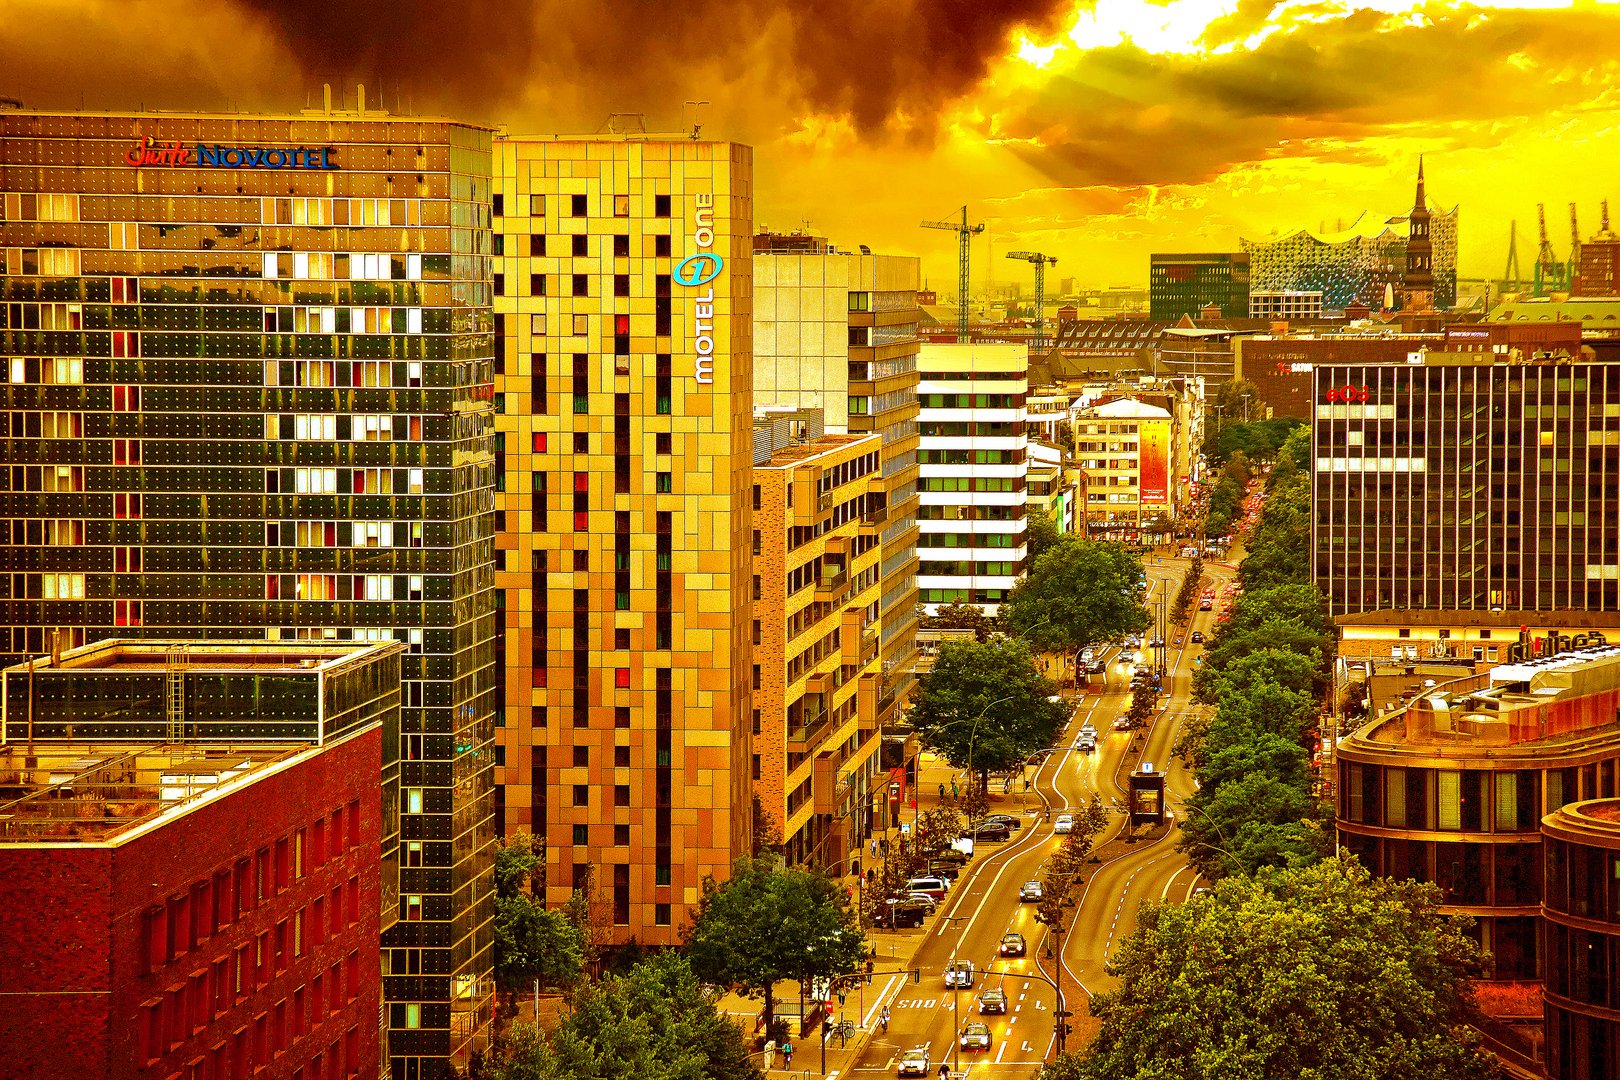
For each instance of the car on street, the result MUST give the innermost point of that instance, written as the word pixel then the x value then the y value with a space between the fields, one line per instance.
pixel 1206 604
pixel 1086 740
pixel 900 914
pixel 1087 655
pixel 1197 637
pixel 1063 824
pixel 959 974
pixel 993 1000
pixel 975 1036
pixel 915 1063
pixel 1122 722
pixel 991 833
pixel 1003 819
pixel 1013 945
pixel 1156 643
pixel 1030 891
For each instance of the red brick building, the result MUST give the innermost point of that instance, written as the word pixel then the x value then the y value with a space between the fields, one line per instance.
pixel 191 912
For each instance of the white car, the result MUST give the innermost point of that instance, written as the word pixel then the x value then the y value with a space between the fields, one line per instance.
pixel 959 973
pixel 1030 891
pixel 1063 824
pixel 915 1062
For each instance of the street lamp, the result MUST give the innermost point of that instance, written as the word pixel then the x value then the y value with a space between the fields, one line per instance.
pixel 956 991
pixel 1062 1010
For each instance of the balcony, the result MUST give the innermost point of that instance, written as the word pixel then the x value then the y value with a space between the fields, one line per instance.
pixel 874 518
pixel 832 581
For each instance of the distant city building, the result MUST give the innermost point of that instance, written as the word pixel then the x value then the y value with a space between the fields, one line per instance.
pixel 198 863
pixel 837 331
pixel 1052 489
pixel 1422 504
pixel 1452 789
pixel 817 575
pixel 248 382
pixel 1123 448
pixel 622 299
pixel 1358 263
pixel 1284 304
pixel 1188 284
pixel 973 473
pixel 1598 271
pixel 1417 283
pixel 1581 927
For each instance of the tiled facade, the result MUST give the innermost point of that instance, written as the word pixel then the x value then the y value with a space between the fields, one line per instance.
pixel 817 627
pixel 1452 789
pixel 836 330
pixel 247 382
pixel 213 906
pixel 1184 284
pixel 624 311
pixel 973 469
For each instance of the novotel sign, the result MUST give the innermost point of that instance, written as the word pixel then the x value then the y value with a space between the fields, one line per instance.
pixel 176 154
pixel 1529 648
pixel 694 272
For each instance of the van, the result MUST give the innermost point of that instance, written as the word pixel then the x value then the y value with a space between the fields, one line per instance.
pixel 935 887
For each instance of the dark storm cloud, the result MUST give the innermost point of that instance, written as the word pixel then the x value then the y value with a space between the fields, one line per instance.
pixel 869 61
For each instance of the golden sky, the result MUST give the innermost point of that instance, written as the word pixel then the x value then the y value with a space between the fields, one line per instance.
pixel 1098 132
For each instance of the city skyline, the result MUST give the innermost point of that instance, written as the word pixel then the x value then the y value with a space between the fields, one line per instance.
pixel 1203 121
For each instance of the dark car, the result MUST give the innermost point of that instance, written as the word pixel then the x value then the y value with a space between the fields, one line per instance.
pixel 950 871
pixel 900 914
pixel 991 834
pixel 1013 945
pixel 1197 637
pixel 1003 819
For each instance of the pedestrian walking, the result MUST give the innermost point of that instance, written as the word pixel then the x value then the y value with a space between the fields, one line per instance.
pixel 1026 783
pixel 787 1054
pixel 956 792
pixel 884 1019
pixel 942 789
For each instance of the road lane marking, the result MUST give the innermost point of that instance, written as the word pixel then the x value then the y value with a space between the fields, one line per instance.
pixel 882 996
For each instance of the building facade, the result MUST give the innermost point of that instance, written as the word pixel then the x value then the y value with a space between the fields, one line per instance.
pixel 974 469
pixel 837 331
pixel 624 313
pixel 1452 789
pixel 220 861
pixel 1184 285
pixel 1597 271
pixel 1125 449
pixel 248 393
pixel 1464 483
pixel 1580 913
pixel 1285 304
pixel 817 630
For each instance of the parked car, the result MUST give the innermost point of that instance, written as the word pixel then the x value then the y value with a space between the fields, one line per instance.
pixel 935 887
pixel 950 871
pixel 900 914
pixel 975 1036
pixel 959 973
pixel 1030 891
pixel 1197 637
pixel 952 857
pixel 1063 824
pixel 928 902
pixel 1003 819
pixel 991 833
pixel 1013 945
pixel 915 1063
pixel 993 1000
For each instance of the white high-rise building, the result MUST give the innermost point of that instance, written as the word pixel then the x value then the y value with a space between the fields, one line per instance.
pixel 973 472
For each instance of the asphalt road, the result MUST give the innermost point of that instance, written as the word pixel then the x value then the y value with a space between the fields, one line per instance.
pixel 984 904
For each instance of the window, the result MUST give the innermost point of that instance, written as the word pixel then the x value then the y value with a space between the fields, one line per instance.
pixel 582 835
pixel 582 795
pixel 413 907
pixel 664 482
pixel 577 205
pixel 661 206
pixel 537 206
pixel 412 801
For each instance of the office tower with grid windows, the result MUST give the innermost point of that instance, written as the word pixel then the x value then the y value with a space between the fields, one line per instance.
pixel 247 393
pixel 623 301
pixel 836 331
pixel 974 472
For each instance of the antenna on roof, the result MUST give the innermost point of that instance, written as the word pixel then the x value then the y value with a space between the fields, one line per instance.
pixel 697 113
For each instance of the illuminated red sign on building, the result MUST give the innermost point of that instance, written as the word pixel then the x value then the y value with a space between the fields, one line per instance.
pixel 1352 394
pixel 176 154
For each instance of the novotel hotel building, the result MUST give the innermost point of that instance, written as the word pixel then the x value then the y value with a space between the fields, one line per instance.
pixel 624 452
pixel 246 390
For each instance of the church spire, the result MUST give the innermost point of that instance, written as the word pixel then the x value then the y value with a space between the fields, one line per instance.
pixel 1421 202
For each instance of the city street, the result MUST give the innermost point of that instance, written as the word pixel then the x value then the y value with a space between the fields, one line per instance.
pixel 984 905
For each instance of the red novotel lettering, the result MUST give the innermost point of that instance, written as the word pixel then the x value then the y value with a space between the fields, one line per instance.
pixel 148 153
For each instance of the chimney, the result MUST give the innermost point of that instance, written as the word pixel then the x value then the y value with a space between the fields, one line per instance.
pixel 361 108
pixel 326 89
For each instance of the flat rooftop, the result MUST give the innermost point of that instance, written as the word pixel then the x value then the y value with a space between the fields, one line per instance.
pixel 146 655
pixel 76 793
pixel 799 452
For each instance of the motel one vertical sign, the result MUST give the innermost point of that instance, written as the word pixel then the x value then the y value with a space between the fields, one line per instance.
pixel 695 272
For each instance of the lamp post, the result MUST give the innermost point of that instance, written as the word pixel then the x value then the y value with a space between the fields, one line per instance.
pixel 1062 1011
pixel 956 991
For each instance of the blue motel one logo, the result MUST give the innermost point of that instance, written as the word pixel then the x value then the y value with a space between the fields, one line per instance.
pixel 696 271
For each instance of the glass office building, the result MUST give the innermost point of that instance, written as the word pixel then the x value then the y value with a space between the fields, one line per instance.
pixel 247 391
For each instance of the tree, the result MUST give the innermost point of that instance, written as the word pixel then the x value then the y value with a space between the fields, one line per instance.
pixel 1063 1067
pixel 533 943
pixel 1290 648
pixel 1042 534
pixel 960 615
pixel 765 925
pixel 654 1022
pixel 985 707
pixel 1317 973
pixel 767 837
pixel 1080 594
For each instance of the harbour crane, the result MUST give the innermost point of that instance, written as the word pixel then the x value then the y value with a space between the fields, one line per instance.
pixel 1041 261
pixel 964 233
pixel 1551 275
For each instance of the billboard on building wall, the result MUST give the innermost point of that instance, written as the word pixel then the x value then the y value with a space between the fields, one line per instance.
pixel 1153 462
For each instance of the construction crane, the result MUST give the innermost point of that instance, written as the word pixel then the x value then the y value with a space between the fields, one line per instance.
pixel 1040 262
pixel 1574 248
pixel 964 232
pixel 1513 277
pixel 1551 275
